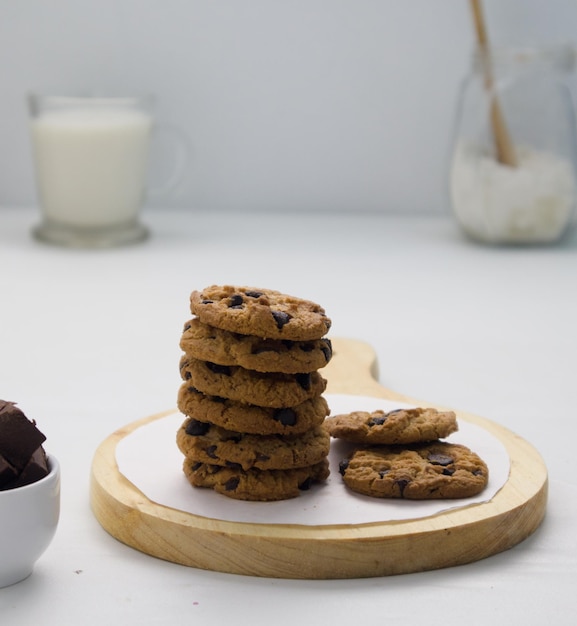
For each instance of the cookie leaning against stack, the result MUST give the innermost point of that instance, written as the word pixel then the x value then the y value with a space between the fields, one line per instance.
pixel 399 455
pixel 252 393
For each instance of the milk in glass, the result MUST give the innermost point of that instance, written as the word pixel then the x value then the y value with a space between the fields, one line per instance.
pixel 91 164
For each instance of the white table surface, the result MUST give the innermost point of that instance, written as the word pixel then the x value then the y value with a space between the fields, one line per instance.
pixel 89 343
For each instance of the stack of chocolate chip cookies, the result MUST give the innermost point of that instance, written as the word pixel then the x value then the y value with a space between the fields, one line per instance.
pixel 252 393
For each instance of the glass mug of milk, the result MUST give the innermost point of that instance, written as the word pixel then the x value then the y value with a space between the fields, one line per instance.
pixel 91 163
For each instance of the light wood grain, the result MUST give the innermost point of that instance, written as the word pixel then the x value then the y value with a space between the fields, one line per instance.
pixel 321 552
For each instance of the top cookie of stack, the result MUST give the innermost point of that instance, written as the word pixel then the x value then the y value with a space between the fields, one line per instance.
pixel 250 376
pixel 262 312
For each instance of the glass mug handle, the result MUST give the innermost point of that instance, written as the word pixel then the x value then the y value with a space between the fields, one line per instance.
pixel 171 145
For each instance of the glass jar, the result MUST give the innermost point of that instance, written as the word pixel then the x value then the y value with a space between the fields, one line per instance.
pixel 513 173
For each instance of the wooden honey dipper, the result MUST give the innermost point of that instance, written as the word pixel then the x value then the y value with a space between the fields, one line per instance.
pixel 504 147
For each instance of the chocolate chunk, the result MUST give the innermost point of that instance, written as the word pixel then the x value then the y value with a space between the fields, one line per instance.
pixel 378 421
pixel 253 294
pixel 8 472
pixel 196 428
pixel 281 318
pixel 287 417
pixel 236 301
pixel 448 471
pixel 402 483
pixel 305 381
pixel 218 369
pixel 19 437
pixel 210 451
pixel 232 483
pixel 440 459
pixel 34 470
pixel 327 349
pixel 343 465
pixel 306 484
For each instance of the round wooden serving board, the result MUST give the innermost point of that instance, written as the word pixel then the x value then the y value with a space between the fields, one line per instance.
pixel 450 538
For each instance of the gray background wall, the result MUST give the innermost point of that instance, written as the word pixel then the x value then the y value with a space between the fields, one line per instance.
pixel 322 105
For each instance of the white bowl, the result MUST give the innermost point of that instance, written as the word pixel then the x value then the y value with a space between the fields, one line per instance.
pixel 28 520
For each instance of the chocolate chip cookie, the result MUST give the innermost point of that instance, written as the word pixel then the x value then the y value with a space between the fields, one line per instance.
pixel 254 484
pixel 247 418
pixel 200 441
pixel 270 389
pixel 254 353
pixel 400 426
pixel 416 472
pixel 261 312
